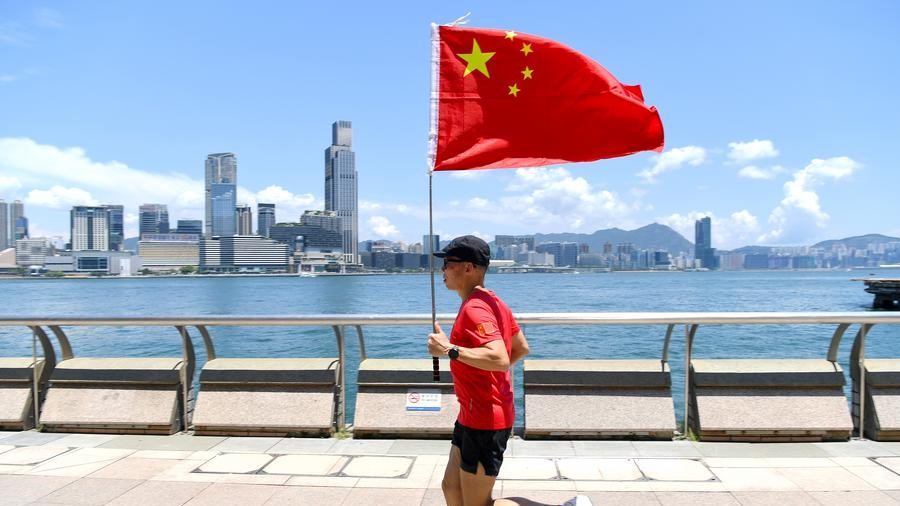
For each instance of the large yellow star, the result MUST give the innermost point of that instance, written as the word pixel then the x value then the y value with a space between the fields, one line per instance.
pixel 527 72
pixel 476 60
pixel 514 90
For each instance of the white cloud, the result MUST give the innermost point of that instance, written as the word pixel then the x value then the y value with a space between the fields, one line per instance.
pixel 755 149
pixel 673 159
pixel 800 213
pixel 740 228
pixel 288 206
pixel 9 183
pixel 60 197
pixel 382 227
pixel 7 78
pixel 755 172
pixel 58 178
pixel 467 174
pixel 547 199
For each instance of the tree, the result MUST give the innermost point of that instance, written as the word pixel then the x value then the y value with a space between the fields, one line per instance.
pixel 188 269
pixel 146 272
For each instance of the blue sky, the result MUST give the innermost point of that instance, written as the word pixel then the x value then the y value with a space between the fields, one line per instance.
pixel 782 119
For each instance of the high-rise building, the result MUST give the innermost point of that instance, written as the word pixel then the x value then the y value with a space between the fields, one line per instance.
pixel 117 226
pixel 703 249
pixel 16 211
pixel 221 169
pixel 502 241
pixel 90 228
pixel 265 215
pixel 341 186
pixel 21 230
pixel 190 227
pixel 153 219
pixel 4 225
pixel 431 243
pixel 244 219
pixel 222 205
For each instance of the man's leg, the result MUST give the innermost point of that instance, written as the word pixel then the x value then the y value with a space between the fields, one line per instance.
pixel 451 485
pixel 476 488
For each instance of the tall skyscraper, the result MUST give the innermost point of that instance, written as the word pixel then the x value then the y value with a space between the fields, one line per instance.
pixel 90 228
pixel 265 215
pixel 703 249
pixel 341 186
pixel 116 226
pixel 431 243
pixel 16 211
pixel 221 169
pixel 154 219
pixel 222 197
pixel 4 225
pixel 244 219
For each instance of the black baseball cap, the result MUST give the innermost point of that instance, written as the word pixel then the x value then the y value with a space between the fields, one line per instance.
pixel 469 249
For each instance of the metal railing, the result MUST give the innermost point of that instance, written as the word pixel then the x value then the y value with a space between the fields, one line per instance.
pixel 341 322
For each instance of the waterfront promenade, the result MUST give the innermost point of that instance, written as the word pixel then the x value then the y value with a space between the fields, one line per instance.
pixel 90 469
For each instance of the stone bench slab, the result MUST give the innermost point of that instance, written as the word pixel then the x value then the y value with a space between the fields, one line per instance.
pixel 883 372
pixel 273 410
pixel 112 409
pixel 18 369
pixel 551 412
pixel 772 373
pixel 598 373
pixel 270 371
pixel 736 409
pixel 379 371
pixel 382 406
pixel 130 370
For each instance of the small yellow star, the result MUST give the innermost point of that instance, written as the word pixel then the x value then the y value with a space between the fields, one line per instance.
pixel 514 90
pixel 526 48
pixel 511 35
pixel 476 60
pixel 527 72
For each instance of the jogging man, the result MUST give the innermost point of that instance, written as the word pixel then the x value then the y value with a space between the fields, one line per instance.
pixel 484 343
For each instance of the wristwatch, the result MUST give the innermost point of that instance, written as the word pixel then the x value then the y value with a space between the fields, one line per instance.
pixel 453 353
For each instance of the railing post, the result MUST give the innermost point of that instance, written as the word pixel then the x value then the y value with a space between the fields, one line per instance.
pixel 863 330
pixel 34 373
pixel 340 415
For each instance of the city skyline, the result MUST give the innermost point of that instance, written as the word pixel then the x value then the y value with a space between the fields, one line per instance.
pixel 783 139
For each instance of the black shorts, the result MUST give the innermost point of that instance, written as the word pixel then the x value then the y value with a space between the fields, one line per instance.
pixel 484 446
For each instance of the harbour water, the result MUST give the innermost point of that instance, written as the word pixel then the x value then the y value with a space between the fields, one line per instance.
pixel 403 294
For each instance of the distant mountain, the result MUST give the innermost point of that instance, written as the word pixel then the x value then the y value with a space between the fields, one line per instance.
pixel 858 242
pixel 650 237
pixel 753 250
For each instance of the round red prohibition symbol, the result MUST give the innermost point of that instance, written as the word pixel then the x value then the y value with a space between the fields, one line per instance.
pixel 413 397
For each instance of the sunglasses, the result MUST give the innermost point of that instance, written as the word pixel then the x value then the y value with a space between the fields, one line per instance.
pixel 448 261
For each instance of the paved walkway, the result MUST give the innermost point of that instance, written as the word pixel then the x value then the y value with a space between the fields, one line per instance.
pixel 88 469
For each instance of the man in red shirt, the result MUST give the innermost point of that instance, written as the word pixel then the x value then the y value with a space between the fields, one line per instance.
pixel 484 343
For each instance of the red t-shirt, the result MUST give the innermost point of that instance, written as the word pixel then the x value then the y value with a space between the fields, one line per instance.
pixel 485 397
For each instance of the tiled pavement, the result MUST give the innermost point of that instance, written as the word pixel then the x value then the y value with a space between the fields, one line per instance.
pixel 87 469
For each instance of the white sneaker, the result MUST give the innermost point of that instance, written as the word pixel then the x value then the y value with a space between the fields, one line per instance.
pixel 579 500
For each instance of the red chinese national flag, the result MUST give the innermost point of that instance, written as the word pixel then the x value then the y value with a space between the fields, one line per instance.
pixel 507 99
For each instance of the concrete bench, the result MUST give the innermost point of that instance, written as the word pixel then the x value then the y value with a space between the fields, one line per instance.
pixel 17 391
pixel 768 400
pixel 116 395
pixel 598 399
pixel 266 397
pixel 882 417
pixel 398 398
